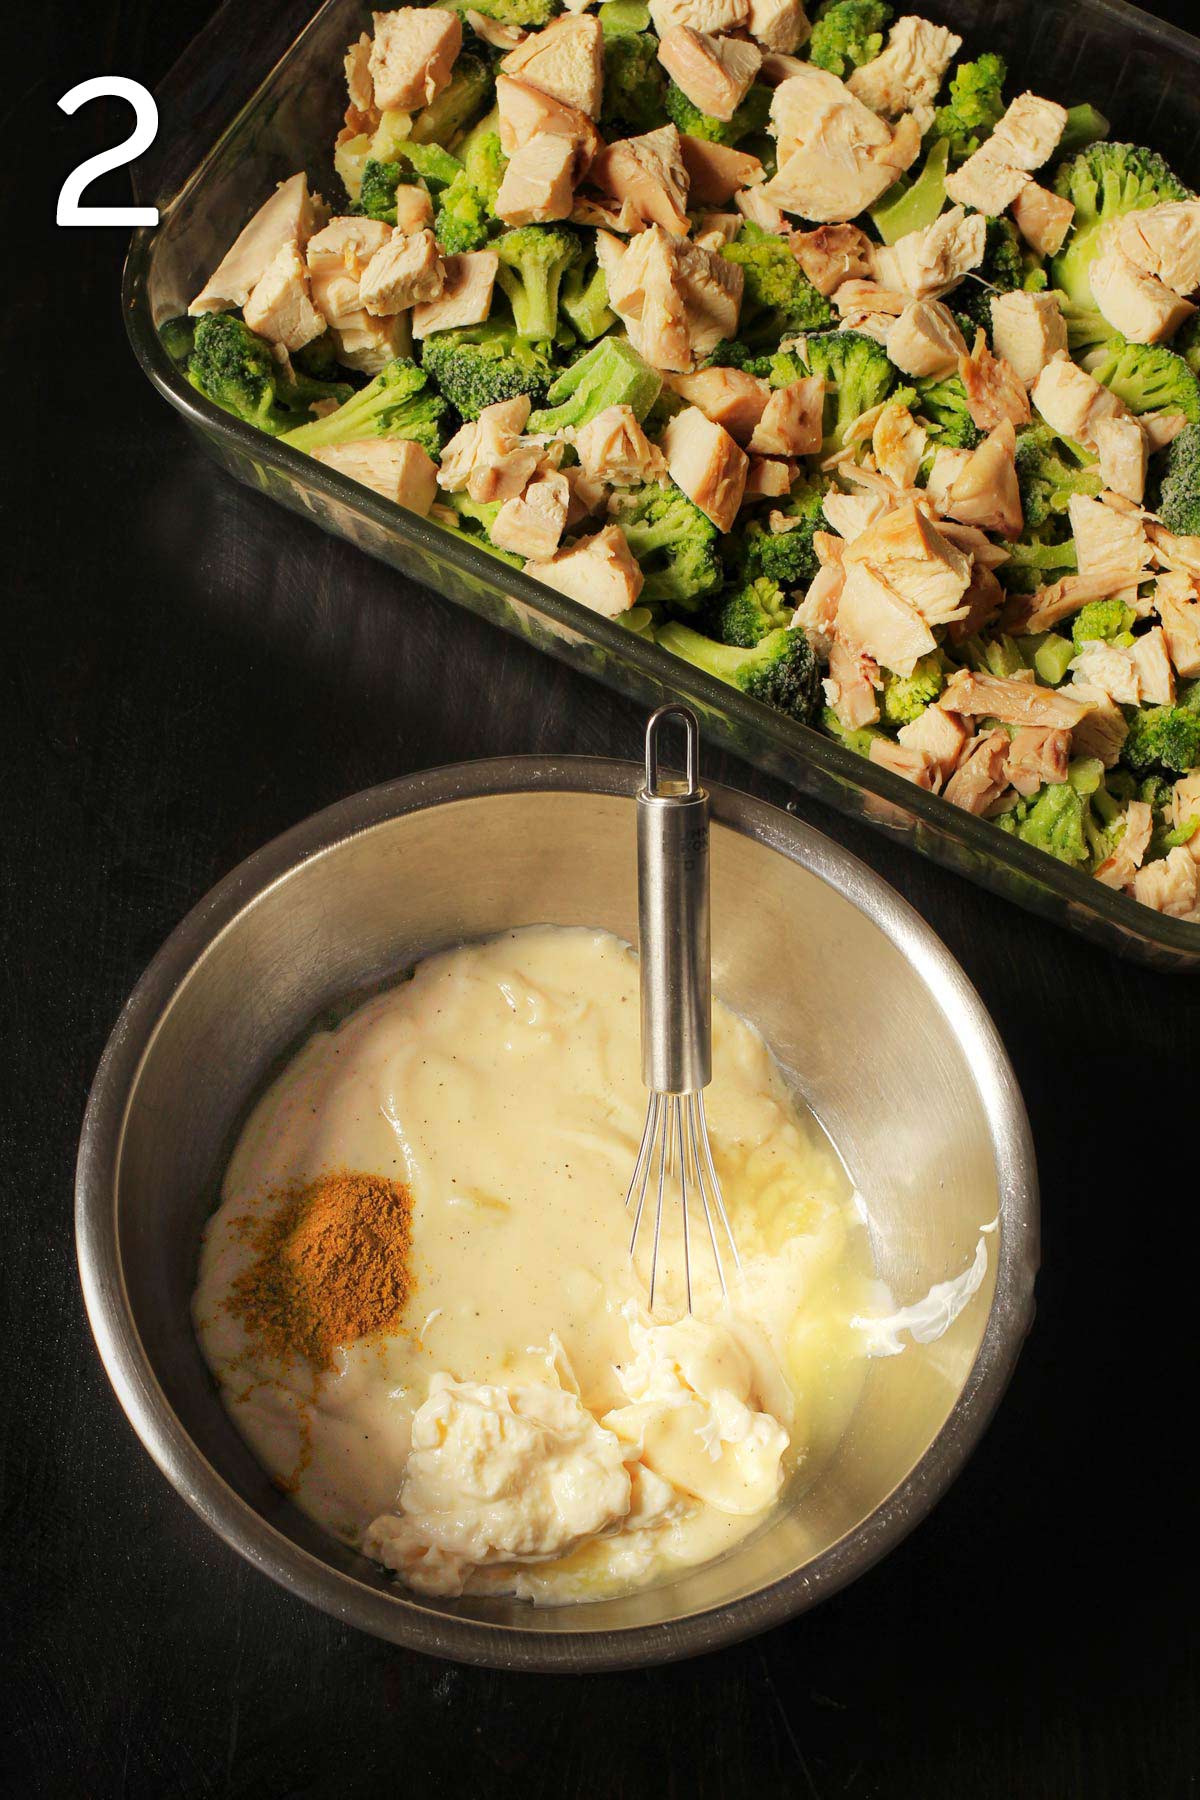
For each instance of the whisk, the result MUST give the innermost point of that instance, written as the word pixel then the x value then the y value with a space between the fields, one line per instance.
pixel 676 1014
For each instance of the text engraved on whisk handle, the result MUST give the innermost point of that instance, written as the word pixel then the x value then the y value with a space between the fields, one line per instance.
pixel 673 925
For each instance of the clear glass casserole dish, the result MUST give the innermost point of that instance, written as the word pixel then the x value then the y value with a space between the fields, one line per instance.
pixel 1144 75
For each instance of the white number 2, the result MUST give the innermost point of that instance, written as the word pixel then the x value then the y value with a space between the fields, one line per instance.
pixel 145 127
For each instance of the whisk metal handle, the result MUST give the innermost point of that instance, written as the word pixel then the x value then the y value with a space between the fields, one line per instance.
pixel 673 918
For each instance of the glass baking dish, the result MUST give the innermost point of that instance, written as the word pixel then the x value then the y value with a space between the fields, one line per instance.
pixel 210 175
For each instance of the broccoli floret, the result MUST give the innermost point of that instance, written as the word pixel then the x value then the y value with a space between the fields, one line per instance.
pixel 999 656
pixel 786 557
pixel 974 108
pixel 780 670
pixel 377 194
pixel 463 217
pixel 778 299
pixel 746 614
pixel 751 116
pixel 674 543
pixel 1053 820
pixel 1003 268
pixel 1103 182
pixel 396 404
pixel 1049 470
pixel 483 158
pixel 236 370
pixel 583 297
pixel 913 205
pixel 1178 499
pixel 533 261
pixel 1149 378
pixel 857 375
pixel 856 738
pixel 508 12
pixel 633 84
pixel 477 365
pixel 457 106
pixel 942 403
pixel 1103 619
pixel 611 373
pixel 1162 737
pixel 848 33
pixel 905 697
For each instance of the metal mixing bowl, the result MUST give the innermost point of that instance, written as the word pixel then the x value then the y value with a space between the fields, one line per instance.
pixel 868 1014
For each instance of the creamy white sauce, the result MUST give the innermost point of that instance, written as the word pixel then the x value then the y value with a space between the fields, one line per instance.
pixel 530 1429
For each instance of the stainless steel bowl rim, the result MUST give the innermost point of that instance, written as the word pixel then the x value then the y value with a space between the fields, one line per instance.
pixel 392 1615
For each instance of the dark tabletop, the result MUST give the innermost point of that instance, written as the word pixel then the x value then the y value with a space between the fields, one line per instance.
pixel 188 671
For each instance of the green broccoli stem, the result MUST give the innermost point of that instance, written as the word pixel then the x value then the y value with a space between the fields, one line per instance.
pixel 913 205
pixel 611 373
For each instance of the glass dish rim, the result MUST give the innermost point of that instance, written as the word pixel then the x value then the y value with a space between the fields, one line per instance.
pixel 1129 917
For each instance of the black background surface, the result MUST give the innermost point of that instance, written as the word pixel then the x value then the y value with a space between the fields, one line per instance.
pixel 187 672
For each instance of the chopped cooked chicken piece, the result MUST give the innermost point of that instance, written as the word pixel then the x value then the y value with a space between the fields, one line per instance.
pixel 780 25
pixel 982 601
pixel 701 15
pixel 761 212
pixel 1119 869
pixel 973 542
pixel 925 340
pixel 1178 606
pixel 1156 677
pixel 704 461
pixel 600 572
pixel 412 55
pixel 538 183
pixel 945 469
pixel 898 443
pixel 405 270
pixel 649 173
pixel 677 300
pixel 926 264
pixel 500 37
pixel 1072 402
pixel 1102 732
pixel 280 308
pixel 1172 551
pixel 359 86
pixel 1107 542
pixel 985 490
pixel 861 304
pixel 1027 330
pixel 715 228
pixel 986 182
pixel 1028 134
pixel 816 614
pixel 338 258
pixel 835 155
pixel 290 216
pixel 1185 808
pixel 716 173
pixel 1043 610
pixel 414 208
pixel 1161 428
pixel 729 397
pixel 1164 241
pixel 587 496
pixel 791 420
pixel 612 447
pixel 488 456
pixel 778 66
pixel 851 514
pixel 913 764
pixel 832 254
pixel 909 552
pixel 1043 218
pixel 1170 885
pixel 768 478
pixel 875 620
pixel 715 73
pixel 606 215
pixel 979 780
pixel 526 113
pixel 995 392
pixel 1123 451
pixel 850 688
pixel 1012 702
pixel 466 298
pixel 531 524
pixel 394 467
pixel 565 60
pixel 1112 669
pixel 1037 755
pixel 941 735
pixel 906 76
pixel 1142 308
pixel 346 245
